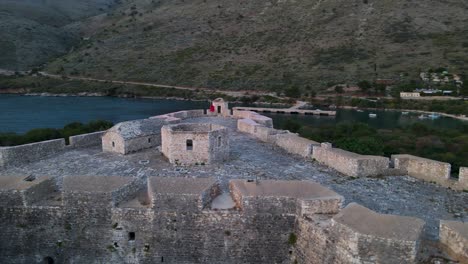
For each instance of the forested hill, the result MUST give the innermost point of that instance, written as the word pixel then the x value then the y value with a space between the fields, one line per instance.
pixel 269 44
pixel 34 31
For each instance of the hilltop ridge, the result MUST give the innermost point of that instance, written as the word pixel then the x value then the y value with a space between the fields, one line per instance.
pixel 269 44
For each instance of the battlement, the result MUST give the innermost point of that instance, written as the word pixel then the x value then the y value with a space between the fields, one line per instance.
pixel 284 197
pixel 184 194
pixel 349 163
pixel 100 191
pixel 24 190
pixel 95 209
pixel 431 171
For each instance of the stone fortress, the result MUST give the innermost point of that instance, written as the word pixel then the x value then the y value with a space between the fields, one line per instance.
pixel 223 186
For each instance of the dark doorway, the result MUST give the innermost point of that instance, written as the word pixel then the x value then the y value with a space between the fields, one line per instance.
pixel 219 109
pixel 48 260
pixel 189 144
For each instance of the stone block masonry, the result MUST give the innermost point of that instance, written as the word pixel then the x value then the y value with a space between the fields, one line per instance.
pixel 431 171
pixel 87 140
pixel 454 236
pixel 358 235
pixel 295 144
pixel 349 163
pixel 15 155
pixel 87 225
pixel 284 197
pixel 191 144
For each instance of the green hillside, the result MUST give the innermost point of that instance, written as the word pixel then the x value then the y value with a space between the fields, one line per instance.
pixel 270 45
pixel 34 31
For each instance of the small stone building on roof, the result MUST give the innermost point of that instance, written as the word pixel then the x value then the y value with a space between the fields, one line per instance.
pixel 131 136
pixel 221 107
pixel 191 144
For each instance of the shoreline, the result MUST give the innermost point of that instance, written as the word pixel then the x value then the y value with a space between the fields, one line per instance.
pixel 89 94
pixel 459 117
pixel 23 92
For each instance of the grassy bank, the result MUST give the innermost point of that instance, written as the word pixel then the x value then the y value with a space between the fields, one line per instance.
pixel 42 134
pixel 42 84
pixel 448 145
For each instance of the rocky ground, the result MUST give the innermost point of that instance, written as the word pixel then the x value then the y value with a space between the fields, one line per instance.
pixel 252 159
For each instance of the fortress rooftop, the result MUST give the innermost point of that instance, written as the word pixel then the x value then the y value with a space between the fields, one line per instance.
pixel 304 190
pixel 189 186
pixel 8 183
pixel 94 184
pixel 368 222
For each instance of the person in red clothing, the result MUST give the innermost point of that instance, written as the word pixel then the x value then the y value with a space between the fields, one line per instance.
pixel 212 108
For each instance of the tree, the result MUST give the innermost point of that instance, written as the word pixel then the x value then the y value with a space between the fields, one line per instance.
pixel 293 92
pixel 339 89
pixel 364 85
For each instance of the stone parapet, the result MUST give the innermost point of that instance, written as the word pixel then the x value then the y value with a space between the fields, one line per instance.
pixel 430 170
pixel 87 140
pixel 185 194
pixel 260 119
pixel 454 236
pixel 15 155
pixel 284 197
pixel 349 163
pixel 368 237
pixel 97 191
pixel 295 144
pixel 24 191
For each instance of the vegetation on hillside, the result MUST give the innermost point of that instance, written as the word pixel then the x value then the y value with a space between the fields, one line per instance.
pixel 41 84
pixel 32 32
pixel 42 134
pixel 448 145
pixel 283 47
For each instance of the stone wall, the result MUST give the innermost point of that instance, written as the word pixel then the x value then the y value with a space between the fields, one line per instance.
pixel 15 155
pixel 99 220
pixel 260 119
pixel 463 178
pixel 454 236
pixel 295 144
pixel 221 108
pixel 140 143
pixel 87 140
pixel 430 170
pixel 195 143
pixel 349 163
pixel 113 142
pixel 358 235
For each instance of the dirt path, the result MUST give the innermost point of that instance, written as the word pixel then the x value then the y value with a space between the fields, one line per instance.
pixel 155 85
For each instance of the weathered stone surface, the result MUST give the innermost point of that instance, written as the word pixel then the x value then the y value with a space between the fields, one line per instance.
pixel 295 144
pixel 88 232
pixel 86 140
pixel 296 197
pixel 190 144
pixel 430 170
pixel 454 236
pixel 259 119
pixel 377 238
pixel 131 136
pixel 15 155
pixel 350 163
pixel 221 107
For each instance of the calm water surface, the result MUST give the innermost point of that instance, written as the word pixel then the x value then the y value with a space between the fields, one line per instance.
pixel 384 119
pixel 22 113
